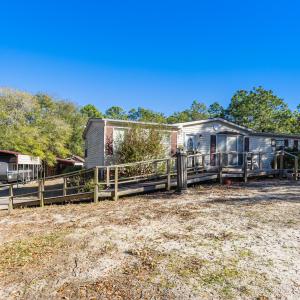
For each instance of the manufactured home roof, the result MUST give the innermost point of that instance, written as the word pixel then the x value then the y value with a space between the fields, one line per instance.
pixel 177 126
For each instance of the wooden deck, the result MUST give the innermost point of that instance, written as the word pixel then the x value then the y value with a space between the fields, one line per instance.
pixel 137 188
pixel 115 181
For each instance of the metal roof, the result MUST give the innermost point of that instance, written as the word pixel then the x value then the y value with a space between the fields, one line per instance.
pixel 9 152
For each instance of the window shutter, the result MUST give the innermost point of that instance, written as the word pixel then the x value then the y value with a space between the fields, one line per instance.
pixel 286 143
pixel 109 144
pixel 213 149
pixel 296 145
pixel 247 144
pixel 173 143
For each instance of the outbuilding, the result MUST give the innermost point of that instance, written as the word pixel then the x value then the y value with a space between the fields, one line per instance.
pixel 15 166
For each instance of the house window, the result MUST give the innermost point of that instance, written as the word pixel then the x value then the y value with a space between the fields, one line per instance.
pixel 296 145
pixel 166 141
pixel 190 142
pixel 118 136
pixel 12 167
pixel 86 152
pixel 280 144
pixel 273 143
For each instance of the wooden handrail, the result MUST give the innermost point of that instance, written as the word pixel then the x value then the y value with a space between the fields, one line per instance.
pixel 290 154
pixel 136 163
pixel 83 171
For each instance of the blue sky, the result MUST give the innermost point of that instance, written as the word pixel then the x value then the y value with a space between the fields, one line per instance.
pixel 157 54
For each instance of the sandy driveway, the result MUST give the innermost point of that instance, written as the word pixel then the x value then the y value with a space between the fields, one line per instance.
pixel 238 242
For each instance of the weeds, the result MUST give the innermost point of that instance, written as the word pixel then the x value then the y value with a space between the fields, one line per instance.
pixel 30 251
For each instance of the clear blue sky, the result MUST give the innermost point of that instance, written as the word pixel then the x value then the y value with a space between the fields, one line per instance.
pixel 157 54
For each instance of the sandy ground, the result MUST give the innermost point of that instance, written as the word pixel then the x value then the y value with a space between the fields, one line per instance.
pixel 215 242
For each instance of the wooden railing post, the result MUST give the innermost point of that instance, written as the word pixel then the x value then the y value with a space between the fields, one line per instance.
pixel 259 161
pixel 194 161
pixel 107 177
pixel 96 184
pixel 116 187
pixel 181 163
pixel 65 187
pixel 275 161
pixel 220 168
pixel 168 185
pixel 245 167
pixel 296 168
pixel 41 192
pixel 281 164
pixel 10 199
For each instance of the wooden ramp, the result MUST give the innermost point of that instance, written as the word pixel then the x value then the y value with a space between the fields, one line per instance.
pixel 112 182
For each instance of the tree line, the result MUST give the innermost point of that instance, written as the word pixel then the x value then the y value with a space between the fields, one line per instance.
pixel 43 126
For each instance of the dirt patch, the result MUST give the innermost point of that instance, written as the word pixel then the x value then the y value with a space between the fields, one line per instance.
pixel 215 242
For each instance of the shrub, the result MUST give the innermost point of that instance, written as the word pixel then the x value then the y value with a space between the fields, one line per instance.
pixel 141 144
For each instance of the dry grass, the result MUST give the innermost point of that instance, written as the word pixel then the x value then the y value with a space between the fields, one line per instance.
pixel 240 242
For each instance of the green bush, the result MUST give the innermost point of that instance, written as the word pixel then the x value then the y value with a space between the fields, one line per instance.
pixel 141 144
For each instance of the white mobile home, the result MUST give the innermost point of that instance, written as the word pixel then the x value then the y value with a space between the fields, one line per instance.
pixel 204 136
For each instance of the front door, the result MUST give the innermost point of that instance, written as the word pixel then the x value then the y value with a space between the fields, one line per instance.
pixel 230 146
pixel 232 150
pixel 190 142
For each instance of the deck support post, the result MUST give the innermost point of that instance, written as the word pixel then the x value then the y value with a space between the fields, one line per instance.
pixel 168 185
pixel 107 177
pixel 96 184
pixel 116 187
pixel 220 168
pixel 181 162
pixel 275 163
pixel 65 187
pixel 296 168
pixel 245 167
pixel 281 164
pixel 203 160
pixel 10 199
pixel 41 193
pixel 259 161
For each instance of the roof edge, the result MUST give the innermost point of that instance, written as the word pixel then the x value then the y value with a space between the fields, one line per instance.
pixel 277 135
pixel 214 120
pixel 105 121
